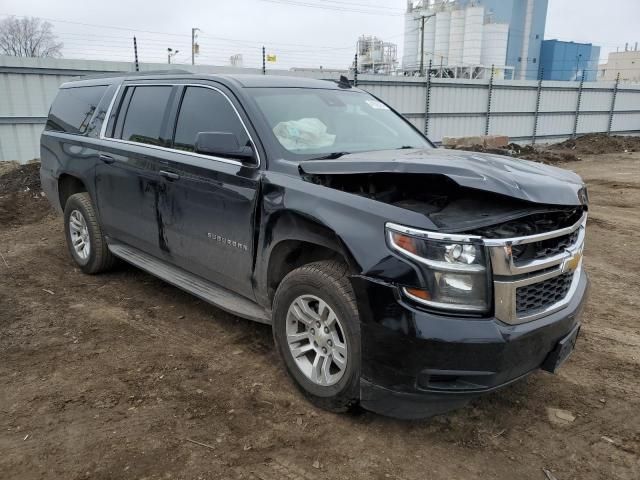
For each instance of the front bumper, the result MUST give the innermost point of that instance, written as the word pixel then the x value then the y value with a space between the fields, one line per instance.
pixel 418 364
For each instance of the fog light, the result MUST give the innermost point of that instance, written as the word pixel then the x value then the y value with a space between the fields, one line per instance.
pixel 459 282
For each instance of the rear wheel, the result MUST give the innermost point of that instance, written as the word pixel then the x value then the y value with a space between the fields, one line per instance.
pixel 85 240
pixel 317 331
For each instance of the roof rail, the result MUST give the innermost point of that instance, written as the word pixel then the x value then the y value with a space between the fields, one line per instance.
pixel 116 74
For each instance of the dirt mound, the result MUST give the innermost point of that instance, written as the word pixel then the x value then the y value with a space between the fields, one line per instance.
pixel 528 152
pixel 568 151
pixel 19 178
pixel 21 198
pixel 599 143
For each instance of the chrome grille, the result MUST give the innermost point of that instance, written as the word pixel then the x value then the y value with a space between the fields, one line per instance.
pixel 538 296
pixel 536 275
pixel 544 248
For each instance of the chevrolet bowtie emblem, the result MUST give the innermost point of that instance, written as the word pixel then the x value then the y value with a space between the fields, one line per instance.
pixel 572 263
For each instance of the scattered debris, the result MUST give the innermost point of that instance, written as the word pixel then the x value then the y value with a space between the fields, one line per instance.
pixel 548 474
pixel 316 464
pixel 559 416
pixel 25 437
pixel 3 259
pixel 206 445
pixel 608 440
pixel 50 292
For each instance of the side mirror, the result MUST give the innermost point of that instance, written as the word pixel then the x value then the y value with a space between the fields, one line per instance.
pixel 224 144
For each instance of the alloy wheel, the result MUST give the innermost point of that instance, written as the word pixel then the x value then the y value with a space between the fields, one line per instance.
pixel 316 340
pixel 79 235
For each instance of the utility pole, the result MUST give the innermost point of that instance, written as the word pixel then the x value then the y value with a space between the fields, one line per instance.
pixel 264 61
pixel 135 53
pixel 194 45
pixel 422 18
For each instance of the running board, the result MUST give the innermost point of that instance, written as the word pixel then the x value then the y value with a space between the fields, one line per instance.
pixel 209 292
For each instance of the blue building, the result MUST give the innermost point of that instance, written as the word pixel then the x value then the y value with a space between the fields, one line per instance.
pixel 569 61
pixel 527 20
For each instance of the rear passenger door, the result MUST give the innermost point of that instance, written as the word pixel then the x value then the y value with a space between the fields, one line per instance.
pixel 210 209
pixel 129 186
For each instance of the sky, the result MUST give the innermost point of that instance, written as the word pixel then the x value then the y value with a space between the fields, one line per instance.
pixel 302 33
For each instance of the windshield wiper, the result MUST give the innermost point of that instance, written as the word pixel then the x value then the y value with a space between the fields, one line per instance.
pixel 332 156
pixel 405 147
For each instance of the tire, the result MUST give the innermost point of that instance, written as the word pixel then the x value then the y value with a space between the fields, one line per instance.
pixel 81 226
pixel 320 285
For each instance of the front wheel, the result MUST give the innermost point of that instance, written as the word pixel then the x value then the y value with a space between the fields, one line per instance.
pixel 316 329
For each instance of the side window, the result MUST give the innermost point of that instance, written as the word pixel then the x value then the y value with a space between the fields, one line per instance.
pixel 144 115
pixel 73 109
pixel 205 110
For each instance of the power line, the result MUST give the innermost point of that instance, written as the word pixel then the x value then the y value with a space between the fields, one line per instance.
pixel 299 3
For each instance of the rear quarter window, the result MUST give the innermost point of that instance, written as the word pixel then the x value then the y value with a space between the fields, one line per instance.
pixel 73 108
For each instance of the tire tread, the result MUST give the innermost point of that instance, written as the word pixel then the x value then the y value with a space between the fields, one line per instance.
pixel 334 274
pixel 103 259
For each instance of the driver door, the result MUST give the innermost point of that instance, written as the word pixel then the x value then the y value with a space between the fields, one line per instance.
pixel 211 200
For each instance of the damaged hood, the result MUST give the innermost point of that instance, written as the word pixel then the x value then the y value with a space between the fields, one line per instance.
pixel 521 179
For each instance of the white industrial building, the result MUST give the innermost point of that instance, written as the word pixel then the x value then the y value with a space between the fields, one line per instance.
pixel 459 41
pixel 466 38
pixel 626 64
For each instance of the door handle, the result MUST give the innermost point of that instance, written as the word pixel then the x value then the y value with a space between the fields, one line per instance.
pixel 106 158
pixel 169 175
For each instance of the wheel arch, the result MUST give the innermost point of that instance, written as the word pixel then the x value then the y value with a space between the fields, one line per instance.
pixel 69 185
pixel 296 240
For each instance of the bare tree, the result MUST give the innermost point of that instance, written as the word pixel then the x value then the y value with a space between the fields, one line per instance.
pixel 28 37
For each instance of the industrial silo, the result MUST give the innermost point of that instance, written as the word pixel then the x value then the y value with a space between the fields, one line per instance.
pixel 494 44
pixel 456 37
pixel 441 49
pixel 473 28
pixel 411 41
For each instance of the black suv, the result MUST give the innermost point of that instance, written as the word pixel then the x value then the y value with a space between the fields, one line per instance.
pixel 395 275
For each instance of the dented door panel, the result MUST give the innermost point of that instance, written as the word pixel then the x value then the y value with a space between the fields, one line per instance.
pixel 208 217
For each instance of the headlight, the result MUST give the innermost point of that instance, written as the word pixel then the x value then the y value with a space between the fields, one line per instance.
pixel 455 270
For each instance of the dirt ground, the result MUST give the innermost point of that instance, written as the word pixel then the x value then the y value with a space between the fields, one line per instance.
pixel 124 376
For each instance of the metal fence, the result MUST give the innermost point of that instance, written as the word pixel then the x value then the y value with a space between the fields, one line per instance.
pixel 526 111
